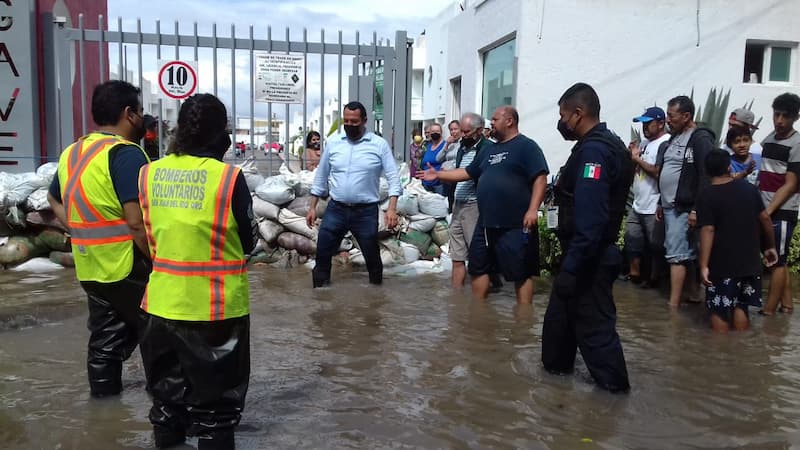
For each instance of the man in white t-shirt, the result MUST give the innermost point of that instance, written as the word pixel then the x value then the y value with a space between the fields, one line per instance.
pixel 644 235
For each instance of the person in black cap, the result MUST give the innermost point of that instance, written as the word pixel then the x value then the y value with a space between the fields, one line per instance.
pixel 151 137
pixel 644 235
pixel 590 194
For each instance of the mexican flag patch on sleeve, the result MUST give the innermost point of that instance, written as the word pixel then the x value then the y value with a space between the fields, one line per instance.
pixel 592 170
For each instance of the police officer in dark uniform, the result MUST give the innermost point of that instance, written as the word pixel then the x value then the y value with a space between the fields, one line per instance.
pixel 590 195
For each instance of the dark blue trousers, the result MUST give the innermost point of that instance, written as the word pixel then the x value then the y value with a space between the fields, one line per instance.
pixel 362 221
pixel 587 322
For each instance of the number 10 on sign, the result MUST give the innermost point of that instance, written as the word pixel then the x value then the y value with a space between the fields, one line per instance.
pixel 177 80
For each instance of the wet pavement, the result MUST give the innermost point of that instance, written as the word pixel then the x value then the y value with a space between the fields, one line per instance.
pixel 413 365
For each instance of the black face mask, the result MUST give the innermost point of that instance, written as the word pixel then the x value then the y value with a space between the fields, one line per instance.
pixel 353 132
pixel 436 136
pixel 468 141
pixel 314 146
pixel 566 132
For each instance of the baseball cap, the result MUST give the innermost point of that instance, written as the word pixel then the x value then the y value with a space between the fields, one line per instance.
pixel 744 116
pixel 652 113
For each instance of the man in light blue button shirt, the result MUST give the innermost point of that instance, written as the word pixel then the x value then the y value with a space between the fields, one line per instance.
pixel 349 171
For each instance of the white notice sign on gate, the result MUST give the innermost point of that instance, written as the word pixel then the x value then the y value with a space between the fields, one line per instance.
pixel 279 78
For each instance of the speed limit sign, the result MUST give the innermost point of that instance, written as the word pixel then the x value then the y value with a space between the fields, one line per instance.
pixel 177 79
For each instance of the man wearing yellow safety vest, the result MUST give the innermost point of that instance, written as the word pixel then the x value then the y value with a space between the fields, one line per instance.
pixel 96 196
pixel 199 222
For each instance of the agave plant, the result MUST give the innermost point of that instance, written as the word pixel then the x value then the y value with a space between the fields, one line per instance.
pixel 715 114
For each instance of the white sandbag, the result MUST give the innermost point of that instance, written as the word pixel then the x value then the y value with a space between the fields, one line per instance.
pixel 423 225
pixel 407 205
pixel 269 230
pixel 346 245
pixel 14 189
pixel 296 224
pixel 276 190
pixel 301 205
pixel 253 180
pixel 410 252
pixel 264 209
pixel 433 204
pixel 357 258
pixel 38 265
pixel 47 171
pixel 404 172
pixel 261 246
pixel 306 181
pixel 414 187
pixel 415 269
pixel 296 242
pixel 37 201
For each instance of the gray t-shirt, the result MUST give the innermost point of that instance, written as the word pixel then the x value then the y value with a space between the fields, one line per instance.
pixel 671 168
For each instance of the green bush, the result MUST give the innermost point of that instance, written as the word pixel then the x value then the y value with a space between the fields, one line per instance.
pixel 793 260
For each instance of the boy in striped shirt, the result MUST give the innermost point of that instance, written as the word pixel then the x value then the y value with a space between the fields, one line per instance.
pixel 778 183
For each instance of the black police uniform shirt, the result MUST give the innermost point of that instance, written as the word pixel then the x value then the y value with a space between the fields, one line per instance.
pixel 504 173
pixel 596 164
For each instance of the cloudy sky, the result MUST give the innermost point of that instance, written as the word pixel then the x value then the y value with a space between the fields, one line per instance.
pixel 365 16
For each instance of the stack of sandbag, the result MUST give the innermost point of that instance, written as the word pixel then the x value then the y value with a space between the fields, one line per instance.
pixel 28 227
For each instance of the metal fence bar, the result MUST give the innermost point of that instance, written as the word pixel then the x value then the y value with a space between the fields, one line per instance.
pixel 339 111
pixel 102 56
pixel 357 72
pixel 305 98
pixel 374 66
pixel 177 58
pixel 120 74
pixel 214 52
pixel 82 76
pixel 224 42
pixel 252 98
pixel 269 110
pixel 322 130
pixel 287 151
pixel 139 47
pixel 160 100
pixel 233 81
pixel 195 46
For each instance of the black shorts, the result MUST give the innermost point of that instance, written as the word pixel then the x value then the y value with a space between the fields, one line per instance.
pixel 503 250
pixel 727 294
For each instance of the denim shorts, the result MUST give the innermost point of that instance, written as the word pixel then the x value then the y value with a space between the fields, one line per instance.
pixel 679 240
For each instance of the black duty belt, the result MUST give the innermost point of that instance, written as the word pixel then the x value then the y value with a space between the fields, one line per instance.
pixel 354 205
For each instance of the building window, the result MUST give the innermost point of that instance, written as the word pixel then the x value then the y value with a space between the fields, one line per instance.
pixel 499 77
pixel 766 62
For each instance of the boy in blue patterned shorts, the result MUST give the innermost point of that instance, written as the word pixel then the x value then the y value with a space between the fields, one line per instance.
pixel 734 228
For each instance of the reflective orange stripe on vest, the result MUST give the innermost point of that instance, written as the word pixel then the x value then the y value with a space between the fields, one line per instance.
pixel 93 229
pixel 218 241
pixel 216 268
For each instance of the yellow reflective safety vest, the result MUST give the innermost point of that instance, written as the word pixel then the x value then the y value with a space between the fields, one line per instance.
pixel 102 243
pixel 199 267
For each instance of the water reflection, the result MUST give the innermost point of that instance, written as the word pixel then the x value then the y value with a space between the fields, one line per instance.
pixel 414 364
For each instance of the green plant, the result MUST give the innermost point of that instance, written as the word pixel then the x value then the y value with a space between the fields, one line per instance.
pixel 549 250
pixel 793 260
pixel 715 114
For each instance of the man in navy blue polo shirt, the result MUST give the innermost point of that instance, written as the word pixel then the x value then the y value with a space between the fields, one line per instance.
pixel 511 176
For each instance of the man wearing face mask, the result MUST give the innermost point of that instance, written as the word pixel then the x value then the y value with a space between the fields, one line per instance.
pixel 591 193
pixel 350 171
pixel 96 196
pixel 511 177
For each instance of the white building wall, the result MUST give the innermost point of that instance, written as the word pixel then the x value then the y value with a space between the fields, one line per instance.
pixel 634 54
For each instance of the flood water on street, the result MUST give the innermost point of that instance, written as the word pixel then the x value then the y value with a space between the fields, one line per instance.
pixel 412 365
